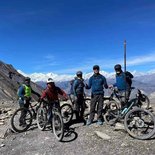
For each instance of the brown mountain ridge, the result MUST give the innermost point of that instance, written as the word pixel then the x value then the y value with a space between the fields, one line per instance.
pixel 10 80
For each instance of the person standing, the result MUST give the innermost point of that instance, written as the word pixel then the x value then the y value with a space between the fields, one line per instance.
pixel 78 89
pixel 123 83
pixel 97 83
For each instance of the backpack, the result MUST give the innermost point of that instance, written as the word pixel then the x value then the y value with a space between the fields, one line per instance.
pixel 18 91
pixel 129 77
pixel 71 88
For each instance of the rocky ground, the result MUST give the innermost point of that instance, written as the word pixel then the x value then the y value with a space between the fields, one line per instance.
pixel 79 139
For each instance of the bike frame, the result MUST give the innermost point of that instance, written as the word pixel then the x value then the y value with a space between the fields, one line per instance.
pixel 129 108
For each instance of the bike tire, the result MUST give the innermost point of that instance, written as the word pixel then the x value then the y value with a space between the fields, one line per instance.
pixel 41 118
pixel 58 125
pixel 133 122
pixel 87 103
pixel 15 123
pixel 66 113
pixel 112 113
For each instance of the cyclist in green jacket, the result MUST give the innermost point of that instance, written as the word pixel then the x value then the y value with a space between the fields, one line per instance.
pixel 24 95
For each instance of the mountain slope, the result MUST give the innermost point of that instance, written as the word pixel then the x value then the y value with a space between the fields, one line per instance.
pixel 10 80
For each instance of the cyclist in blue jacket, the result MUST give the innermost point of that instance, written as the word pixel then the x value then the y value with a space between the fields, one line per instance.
pixel 123 82
pixel 97 83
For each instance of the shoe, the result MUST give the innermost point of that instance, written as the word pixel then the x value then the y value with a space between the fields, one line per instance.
pixel 83 120
pixel 88 122
pixel 99 122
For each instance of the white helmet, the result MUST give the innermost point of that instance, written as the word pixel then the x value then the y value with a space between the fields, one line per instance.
pixel 50 80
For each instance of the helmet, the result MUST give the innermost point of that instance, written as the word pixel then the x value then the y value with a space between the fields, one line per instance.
pixel 118 67
pixel 78 73
pixel 50 80
pixel 27 79
pixel 96 67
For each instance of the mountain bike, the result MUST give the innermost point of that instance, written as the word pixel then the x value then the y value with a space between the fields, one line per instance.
pixel 67 109
pixel 23 117
pixel 116 96
pixel 50 115
pixel 138 122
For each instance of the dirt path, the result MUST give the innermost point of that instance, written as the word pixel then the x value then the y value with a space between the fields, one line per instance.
pixel 81 140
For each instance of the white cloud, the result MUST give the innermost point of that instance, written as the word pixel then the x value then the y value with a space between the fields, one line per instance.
pixel 141 60
pixel 106 64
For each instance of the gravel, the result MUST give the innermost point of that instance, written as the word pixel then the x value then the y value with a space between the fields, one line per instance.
pixel 79 140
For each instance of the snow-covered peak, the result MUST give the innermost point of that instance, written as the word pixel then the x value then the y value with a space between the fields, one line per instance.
pixel 65 77
pixel 44 76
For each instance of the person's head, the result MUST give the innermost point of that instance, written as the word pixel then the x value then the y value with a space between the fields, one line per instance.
pixel 50 82
pixel 27 81
pixel 96 69
pixel 79 74
pixel 118 69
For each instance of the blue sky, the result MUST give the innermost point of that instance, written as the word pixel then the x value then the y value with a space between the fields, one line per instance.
pixel 63 36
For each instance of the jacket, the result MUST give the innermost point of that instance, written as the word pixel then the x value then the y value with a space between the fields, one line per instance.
pixel 78 87
pixel 121 82
pixel 52 93
pixel 26 91
pixel 97 82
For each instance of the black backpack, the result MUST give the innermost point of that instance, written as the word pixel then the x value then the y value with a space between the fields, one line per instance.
pixel 129 77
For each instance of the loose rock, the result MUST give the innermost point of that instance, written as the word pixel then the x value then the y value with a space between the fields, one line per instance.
pixel 102 135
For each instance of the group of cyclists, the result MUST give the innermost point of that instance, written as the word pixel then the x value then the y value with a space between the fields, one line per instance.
pixel 97 82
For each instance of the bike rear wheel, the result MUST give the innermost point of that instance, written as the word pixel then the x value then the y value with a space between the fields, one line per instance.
pixel 66 113
pixel 42 118
pixel 112 113
pixel 21 120
pixel 140 123
pixel 58 125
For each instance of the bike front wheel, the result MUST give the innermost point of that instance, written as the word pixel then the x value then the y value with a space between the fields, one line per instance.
pixel 140 123
pixel 41 118
pixel 112 113
pixel 66 113
pixel 21 120
pixel 58 125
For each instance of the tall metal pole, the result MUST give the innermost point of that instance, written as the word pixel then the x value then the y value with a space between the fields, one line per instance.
pixel 125 66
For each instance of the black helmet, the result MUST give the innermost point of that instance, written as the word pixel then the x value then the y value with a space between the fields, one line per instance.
pixel 78 73
pixel 118 67
pixel 27 79
pixel 96 67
